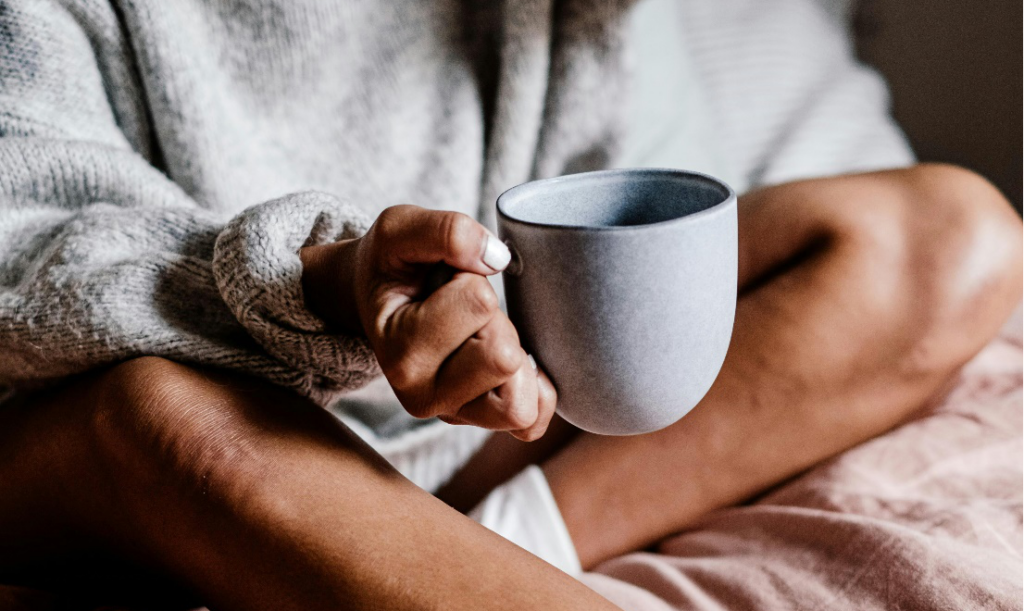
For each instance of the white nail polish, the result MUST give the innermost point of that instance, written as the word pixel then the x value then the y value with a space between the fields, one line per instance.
pixel 533 361
pixel 496 254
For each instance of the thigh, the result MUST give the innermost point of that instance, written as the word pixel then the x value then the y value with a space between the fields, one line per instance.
pixel 58 508
pixel 250 497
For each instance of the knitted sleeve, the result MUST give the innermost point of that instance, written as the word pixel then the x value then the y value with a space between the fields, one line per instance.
pixel 103 258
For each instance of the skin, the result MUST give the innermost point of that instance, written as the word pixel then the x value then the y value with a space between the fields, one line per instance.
pixel 241 496
pixel 447 352
pixel 860 298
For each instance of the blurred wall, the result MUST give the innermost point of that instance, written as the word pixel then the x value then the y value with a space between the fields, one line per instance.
pixel 954 68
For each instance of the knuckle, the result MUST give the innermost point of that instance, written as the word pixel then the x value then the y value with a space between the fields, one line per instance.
pixel 385 223
pixel 516 414
pixel 457 229
pixel 387 217
pixel 389 221
pixel 479 296
pixel 504 357
pixel 519 420
pixel 402 374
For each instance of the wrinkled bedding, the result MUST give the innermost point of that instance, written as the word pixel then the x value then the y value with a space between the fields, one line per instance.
pixel 927 516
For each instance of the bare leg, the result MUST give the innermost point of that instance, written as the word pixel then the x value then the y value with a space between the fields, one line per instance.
pixel 248 497
pixel 860 297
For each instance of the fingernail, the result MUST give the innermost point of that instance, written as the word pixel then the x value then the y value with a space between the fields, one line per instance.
pixel 533 361
pixel 496 254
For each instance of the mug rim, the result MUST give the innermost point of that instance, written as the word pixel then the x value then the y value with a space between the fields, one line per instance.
pixel 729 199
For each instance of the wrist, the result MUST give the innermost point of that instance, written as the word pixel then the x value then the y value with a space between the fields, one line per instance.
pixel 328 283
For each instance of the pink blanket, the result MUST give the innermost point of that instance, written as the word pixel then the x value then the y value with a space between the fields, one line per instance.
pixel 925 517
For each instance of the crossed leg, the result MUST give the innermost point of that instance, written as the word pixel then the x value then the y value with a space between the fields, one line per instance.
pixel 860 297
pixel 240 496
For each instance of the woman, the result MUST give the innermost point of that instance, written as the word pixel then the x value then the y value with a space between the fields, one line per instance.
pixel 170 338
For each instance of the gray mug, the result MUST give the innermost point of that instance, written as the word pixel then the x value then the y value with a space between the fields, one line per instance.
pixel 623 287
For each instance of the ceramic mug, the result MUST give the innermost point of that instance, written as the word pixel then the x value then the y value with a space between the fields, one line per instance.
pixel 623 287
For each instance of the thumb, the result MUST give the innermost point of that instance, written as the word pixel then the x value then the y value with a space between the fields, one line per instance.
pixel 415 235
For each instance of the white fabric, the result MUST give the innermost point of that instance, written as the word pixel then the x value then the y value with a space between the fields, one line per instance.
pixel 524 511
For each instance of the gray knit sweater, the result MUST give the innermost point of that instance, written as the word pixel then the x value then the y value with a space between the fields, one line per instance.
pixel 162 161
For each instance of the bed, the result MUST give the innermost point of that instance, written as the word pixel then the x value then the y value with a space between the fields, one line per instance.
pixel 927 516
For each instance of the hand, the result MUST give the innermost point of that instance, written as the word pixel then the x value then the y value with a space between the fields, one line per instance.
pixel 448 351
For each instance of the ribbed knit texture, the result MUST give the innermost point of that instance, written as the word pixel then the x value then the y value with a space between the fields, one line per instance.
pixel 162 162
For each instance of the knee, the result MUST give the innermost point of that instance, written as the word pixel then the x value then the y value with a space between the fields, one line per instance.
pixel 949 246
pixel 162 425
pixel 964 244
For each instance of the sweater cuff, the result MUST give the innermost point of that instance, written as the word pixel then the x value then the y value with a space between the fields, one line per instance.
pixel 259 274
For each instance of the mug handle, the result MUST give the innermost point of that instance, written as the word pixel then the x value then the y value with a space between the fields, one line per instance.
pixel 515 266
